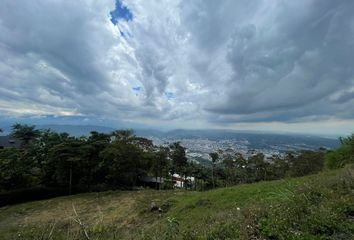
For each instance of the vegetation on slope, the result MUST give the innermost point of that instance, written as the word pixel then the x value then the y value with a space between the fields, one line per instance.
pixel 49 163
pixel 313 207
pixel 343 155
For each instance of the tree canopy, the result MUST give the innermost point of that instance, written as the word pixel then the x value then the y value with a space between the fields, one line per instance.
pixel 119 160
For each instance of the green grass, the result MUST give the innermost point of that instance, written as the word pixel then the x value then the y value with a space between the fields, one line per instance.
pixel 313 207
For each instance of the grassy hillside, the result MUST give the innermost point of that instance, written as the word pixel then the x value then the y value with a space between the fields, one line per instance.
pixel 314 207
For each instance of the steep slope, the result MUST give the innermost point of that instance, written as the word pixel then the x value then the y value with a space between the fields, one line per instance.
pixel 314 207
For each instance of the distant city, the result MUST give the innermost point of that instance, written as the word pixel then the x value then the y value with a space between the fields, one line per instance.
pixel 199 143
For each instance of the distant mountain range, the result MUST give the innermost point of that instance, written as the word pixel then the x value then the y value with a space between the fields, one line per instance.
pixel 256 139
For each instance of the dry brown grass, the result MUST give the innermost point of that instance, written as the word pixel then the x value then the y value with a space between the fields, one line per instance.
pixel 123 210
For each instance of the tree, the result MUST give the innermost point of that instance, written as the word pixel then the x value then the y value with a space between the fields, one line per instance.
pixel 91 161
pixel 178 158
pixel 307 162
pixel 214 158
pixel 25 133
pixel 14 173
pixel 278 168
pixel 159 163
pixel 204 176
pixel 257 168
pixel 241 168
pixel 229 164
pixel 125 136
pixel 124 159
pixel 66 157
pixel 40 152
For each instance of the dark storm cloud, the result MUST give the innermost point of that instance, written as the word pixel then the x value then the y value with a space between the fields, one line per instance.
pixel 201 62
pixel 298 60
pixel 55 32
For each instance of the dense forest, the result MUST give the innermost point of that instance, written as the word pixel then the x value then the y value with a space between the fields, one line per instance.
pixel 51 160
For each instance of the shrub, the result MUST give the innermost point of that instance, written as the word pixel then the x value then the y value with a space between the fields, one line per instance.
pixel 172 229
pixel 343 155
pixel 339 158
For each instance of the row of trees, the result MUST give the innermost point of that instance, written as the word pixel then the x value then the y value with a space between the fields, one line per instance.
pixel 99 161
pixel 235 169
pixel 118 160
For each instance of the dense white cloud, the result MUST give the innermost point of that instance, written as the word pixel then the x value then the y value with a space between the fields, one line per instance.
pixel 177 62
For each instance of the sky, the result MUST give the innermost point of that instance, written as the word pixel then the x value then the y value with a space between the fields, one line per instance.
pixel 278 65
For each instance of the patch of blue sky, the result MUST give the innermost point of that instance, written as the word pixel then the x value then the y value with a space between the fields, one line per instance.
pixel 170 95
pixel 137 89
pixel 120 12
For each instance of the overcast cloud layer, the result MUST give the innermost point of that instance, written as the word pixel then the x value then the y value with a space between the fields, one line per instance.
pixel 201 63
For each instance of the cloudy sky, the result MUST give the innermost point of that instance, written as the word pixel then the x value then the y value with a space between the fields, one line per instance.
pixel 279 65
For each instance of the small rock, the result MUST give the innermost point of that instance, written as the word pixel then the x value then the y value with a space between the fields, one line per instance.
pixel 153 207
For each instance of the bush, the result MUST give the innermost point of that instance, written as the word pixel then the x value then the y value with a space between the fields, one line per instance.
pixel 339 158
pixel 343 155
pixel 317 210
